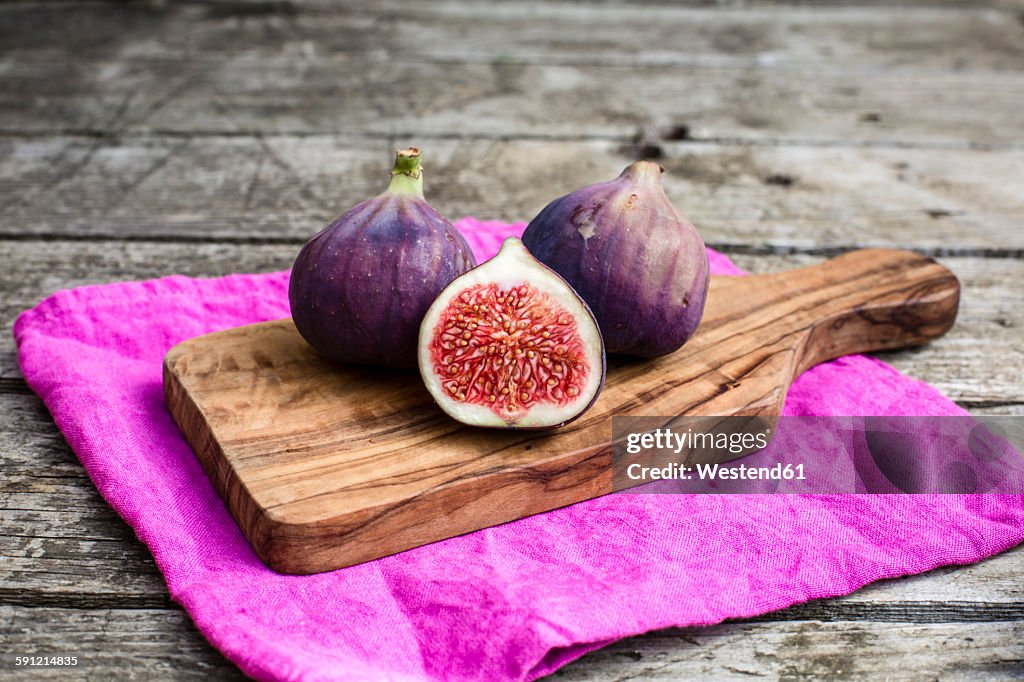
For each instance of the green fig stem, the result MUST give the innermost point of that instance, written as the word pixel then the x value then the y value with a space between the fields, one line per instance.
pixel 407 175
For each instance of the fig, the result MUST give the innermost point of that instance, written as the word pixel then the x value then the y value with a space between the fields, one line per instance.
pixel 359 288
pixel 639 265
pixel 510 345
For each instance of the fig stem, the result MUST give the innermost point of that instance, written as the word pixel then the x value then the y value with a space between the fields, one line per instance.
pixel 406 174
pixel 643 170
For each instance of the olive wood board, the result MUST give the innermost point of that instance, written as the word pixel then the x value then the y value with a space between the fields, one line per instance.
pixel 325 465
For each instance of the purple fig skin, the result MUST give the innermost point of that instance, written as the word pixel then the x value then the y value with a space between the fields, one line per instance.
pixel 640 266
pixel 360 288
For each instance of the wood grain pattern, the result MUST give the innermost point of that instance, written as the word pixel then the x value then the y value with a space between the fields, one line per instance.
pixel 325 466
pixel 725 35
pixel 521 70
pixel 871 185
pixel 116 645
pixel 282 189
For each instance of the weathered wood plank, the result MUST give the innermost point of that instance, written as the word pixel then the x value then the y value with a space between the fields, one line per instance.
pixel 502 100
pixel 127 644
pixel 79 264
pixel 973 37
pixel 111 644
pixel 1006 410
pixel 61 544
pixel 282 188
pixel 996 580
pixel 811 650
pixel 835 75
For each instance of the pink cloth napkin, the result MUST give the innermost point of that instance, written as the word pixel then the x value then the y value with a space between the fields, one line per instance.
pixel 512 602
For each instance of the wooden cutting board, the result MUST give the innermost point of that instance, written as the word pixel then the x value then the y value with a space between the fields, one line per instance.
pixel 324 465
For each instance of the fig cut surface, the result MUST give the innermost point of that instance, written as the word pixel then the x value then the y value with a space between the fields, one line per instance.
pixel 510 344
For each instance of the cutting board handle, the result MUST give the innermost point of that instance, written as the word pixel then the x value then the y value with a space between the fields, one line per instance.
pixel 866 300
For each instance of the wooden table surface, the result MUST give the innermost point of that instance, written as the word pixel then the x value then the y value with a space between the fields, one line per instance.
pixel 143 139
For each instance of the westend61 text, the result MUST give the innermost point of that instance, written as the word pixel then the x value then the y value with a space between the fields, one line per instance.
pixel 716 472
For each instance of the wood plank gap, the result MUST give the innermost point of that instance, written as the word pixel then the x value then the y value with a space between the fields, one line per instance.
pixel 45 536
pixel 201 133
pixel 985 404
pixel 38 599
pixel 898 612
pixel 965 6
pixel 14 386
pixel 627 140
pixel 610 61
pixel 829 610
pixel 728 248
pixel 100 238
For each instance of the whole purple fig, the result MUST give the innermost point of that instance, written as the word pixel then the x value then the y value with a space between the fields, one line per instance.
pixel 639 265
pixel 359 288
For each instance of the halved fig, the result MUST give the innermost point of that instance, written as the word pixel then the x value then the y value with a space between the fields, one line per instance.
pixel 510 345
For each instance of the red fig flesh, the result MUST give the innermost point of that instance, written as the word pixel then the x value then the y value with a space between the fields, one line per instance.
pixel 359 288
pixel 510 344
pixel 639 265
